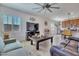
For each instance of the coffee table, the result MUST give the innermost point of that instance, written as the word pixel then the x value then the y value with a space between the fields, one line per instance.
pixel 41 40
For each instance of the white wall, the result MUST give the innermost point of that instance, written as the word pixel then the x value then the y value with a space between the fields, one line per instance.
pixel 1 25
pixel 21 34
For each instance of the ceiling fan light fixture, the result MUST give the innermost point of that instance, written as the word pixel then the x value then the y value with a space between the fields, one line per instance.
pixel 47 6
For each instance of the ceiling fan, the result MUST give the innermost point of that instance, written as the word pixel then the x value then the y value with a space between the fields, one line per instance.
pixel 48 6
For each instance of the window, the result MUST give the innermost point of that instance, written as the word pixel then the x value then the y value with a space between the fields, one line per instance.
pixel 7 20
pixel 16 22
pixel 11 22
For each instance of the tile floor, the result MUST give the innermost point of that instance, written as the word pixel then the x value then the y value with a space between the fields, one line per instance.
pixel 44 49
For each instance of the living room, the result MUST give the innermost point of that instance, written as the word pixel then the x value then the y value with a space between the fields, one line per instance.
pixel 38 29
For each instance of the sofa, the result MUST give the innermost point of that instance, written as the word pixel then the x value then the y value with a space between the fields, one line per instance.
pixel 11 49
pixel 61 50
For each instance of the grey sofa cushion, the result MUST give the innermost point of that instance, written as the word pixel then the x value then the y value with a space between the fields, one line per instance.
pixel 11 46
pixel 55 50
pixel 17 52
pixel 59 51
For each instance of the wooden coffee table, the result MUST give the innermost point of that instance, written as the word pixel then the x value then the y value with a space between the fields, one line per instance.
pixel 41 40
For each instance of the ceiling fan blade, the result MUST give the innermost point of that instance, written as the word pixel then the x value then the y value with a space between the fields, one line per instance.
pixel 49 10
pixel 38 4
pixel 55 7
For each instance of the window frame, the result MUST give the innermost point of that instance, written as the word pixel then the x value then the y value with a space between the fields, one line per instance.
pixel 17 23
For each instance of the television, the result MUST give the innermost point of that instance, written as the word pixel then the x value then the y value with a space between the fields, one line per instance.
pixel 32 29
pixel 32 26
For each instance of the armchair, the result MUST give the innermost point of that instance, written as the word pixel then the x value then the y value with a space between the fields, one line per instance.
pixel 11 49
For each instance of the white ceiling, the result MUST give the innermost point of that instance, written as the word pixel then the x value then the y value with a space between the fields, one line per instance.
pixel 59 14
